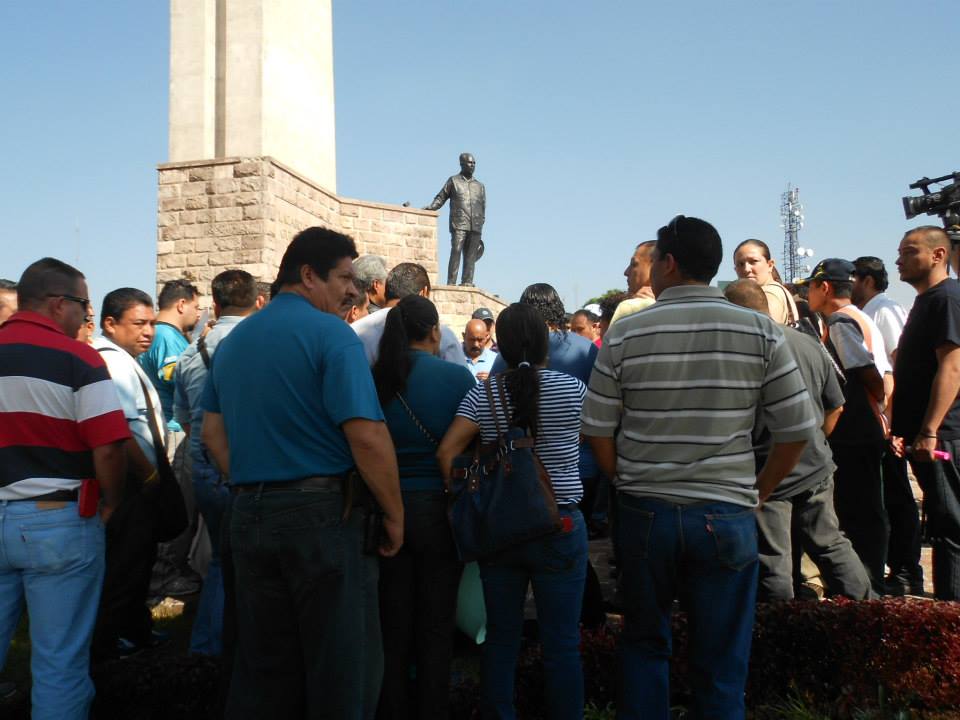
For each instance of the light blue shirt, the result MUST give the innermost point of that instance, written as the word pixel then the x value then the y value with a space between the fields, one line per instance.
pixel 190 377
pixel 130 381
pixel 484 363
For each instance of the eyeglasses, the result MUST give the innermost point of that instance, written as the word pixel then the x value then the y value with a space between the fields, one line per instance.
pixel 83 301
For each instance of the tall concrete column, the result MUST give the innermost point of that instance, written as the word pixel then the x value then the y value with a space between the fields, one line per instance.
pixel 254 78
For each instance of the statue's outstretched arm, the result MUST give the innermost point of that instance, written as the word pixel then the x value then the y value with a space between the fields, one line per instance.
pixel 441 197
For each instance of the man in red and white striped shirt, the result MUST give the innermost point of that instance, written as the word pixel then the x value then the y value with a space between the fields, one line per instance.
pixel 61 426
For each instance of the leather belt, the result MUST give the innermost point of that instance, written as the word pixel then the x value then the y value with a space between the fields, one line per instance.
pixel 55 496
pixel 567 507
pixel 316 482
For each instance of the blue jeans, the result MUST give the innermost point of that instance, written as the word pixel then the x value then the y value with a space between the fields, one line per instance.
pixel 556 566
pixel 706 554
pixel 212 497
pixel 55 558
pixel 308 621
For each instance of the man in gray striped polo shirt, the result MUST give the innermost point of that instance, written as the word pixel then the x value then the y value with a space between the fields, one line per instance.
pixel 669 413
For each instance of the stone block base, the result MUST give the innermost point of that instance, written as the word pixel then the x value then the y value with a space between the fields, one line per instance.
pixel 242 213
pixel 456 304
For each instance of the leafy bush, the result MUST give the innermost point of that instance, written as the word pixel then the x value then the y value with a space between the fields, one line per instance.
pixel 838 658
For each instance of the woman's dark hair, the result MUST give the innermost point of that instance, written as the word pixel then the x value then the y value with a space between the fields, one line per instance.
pixel 753 241
pixel 547 301
pixel 523 340
pixel 410 319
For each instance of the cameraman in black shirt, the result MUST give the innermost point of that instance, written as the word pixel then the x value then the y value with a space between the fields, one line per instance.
pixel 926 411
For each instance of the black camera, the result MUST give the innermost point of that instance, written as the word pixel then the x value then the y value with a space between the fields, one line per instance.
pixel 945 202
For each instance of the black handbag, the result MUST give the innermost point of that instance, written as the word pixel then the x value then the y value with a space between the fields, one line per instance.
pixel 501 493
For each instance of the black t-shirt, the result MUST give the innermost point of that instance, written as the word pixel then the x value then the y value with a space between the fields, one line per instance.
pixel 933 321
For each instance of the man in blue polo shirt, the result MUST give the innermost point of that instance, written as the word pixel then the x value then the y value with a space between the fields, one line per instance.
pixel 306 595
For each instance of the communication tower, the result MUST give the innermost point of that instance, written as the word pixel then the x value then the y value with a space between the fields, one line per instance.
pixel 791 214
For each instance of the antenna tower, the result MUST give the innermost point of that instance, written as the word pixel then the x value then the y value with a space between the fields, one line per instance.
pixel 791 215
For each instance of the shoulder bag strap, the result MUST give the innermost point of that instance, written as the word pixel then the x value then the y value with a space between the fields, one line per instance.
pixel 159 446
pixel 202 349
pixel 493 406
pixel 416 421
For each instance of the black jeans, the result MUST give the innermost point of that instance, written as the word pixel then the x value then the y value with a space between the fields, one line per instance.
pixel 903 553
pixel 308 630
pixel 418 602
pixel 940 482
pixel 858 497
pixel 131 552
pixel 812 515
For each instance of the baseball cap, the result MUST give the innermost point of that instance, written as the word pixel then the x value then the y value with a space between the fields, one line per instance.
pixel 831 269
pixel 483 313
pixel 593 308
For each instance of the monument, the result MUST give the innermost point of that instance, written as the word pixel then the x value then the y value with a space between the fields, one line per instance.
pixel 253 150
pixel 468 208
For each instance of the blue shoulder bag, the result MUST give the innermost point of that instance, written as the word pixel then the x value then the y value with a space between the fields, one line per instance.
pixel 502 494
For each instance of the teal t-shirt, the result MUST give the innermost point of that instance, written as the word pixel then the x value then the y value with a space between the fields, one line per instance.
pixel 285 380
pixel 160 362
pixel 435 388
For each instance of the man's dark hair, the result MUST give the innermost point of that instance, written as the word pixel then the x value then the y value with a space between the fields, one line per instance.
pixel 317 247
pixel 118 301
pixel 406 279
pixel 7 285
pixel 695 245
pixel 546 300
pixel 264 289
pixel 234 288
pixel 610 303
pixel 591 317
pixel 43 278
pixel 173 291
pixel 870 266
pixel 841 288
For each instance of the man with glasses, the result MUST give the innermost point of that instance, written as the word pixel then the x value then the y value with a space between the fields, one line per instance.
pixel 61 431
pixel 672 401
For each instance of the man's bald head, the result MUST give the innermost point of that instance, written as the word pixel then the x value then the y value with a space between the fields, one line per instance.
pixel 930 235
pixel 747 293
pixel 475 336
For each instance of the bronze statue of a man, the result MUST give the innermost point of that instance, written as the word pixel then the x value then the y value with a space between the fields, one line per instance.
pixel 468 203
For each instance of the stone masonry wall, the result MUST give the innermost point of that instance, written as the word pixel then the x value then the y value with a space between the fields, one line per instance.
pixel 456 304
pixel 243 212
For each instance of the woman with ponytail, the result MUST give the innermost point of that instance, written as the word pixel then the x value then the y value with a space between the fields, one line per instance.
pixel 547 404
pixel 419 394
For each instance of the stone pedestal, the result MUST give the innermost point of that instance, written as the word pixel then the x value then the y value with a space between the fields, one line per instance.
pixel 456 304
pixel 243 212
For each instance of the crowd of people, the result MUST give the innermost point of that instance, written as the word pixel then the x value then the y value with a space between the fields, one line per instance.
pixel 309 431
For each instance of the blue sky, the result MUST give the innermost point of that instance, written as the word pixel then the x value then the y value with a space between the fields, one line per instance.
pixel 592 124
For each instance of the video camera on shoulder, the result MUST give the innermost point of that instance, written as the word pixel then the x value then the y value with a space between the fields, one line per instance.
pixel 945 202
